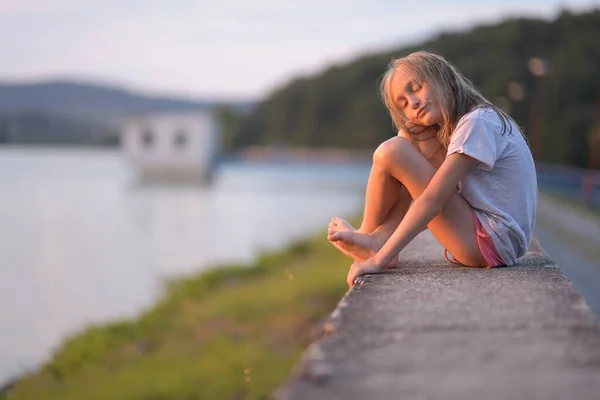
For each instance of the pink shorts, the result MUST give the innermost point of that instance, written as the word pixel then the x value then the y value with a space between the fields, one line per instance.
pixel 486 246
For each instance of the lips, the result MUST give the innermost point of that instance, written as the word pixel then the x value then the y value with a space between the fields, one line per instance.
pixel 422 110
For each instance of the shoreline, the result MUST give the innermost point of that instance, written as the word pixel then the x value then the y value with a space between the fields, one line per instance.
pixel 277 302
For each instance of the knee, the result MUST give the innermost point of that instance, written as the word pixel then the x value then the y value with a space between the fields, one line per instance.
pixel 392 152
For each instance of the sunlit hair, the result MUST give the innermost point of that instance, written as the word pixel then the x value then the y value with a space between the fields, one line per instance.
pixel 455 94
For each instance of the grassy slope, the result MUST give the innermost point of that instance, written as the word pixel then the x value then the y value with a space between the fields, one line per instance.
pixel 231 333
pixel 577 240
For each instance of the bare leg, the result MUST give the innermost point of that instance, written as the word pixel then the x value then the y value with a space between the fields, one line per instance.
pixel 453 226
pixel 395 216
pixel 383 192
pixel 387 200
pixel 397 195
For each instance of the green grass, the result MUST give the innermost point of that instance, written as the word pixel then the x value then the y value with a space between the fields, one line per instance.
pixel 587 246
pixel 230 333
pixel 571 202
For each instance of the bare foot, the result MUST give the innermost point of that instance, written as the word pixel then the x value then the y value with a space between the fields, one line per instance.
pixel 357 245
pixel 341 225
pixel 360 245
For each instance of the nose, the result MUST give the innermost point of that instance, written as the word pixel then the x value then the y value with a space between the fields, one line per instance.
pixel 414 101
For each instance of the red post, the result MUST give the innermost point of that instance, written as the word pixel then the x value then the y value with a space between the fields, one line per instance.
pixel 590 174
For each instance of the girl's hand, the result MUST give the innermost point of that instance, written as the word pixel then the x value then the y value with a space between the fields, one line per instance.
pixel 368 266
pixel 424 138
pixel 417 129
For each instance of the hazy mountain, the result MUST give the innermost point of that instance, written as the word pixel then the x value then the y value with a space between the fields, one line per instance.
pixel 36 127
pixel 81 113
pixel 89 101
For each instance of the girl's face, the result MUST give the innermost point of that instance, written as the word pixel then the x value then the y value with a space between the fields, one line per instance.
pixel 416 101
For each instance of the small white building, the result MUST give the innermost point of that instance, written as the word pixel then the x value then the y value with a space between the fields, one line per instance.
pixel 172 146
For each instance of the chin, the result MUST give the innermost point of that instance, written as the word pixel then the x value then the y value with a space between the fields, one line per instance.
pixel 431 119
pixel 427 121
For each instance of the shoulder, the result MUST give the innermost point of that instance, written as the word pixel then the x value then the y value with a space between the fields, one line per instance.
pixel 478 128
pixel 480 116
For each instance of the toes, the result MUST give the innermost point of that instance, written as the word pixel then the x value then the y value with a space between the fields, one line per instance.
pixel 341 236
pixel 337 220
pixel 348 227
pixel 345 224
pixel 331 228
pixel 341 224
pixel 334 222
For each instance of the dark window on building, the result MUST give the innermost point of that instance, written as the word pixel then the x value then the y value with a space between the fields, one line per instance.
pixel 147 138
pixel 180 140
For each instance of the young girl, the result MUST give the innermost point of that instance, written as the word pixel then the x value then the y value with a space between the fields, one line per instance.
pixel 479 201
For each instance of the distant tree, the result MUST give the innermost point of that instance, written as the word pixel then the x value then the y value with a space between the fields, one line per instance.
pixel 229 119
pixel 340 107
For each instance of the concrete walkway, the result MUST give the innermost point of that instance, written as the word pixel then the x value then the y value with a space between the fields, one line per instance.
pixel 571 235
pixel 434 331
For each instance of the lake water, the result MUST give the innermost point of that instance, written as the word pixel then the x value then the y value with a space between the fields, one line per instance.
pixel 81 242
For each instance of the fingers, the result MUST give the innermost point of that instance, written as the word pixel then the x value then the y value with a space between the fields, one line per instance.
pixel 353 273
pixel 415 128
pixel 356 276
pixel 360 269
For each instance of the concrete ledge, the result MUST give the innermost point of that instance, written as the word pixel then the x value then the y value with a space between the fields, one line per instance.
pixel 430 330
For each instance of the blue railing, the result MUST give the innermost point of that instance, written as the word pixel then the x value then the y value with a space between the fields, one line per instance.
pixel 577 183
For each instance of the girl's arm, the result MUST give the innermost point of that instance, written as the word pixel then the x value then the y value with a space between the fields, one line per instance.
pixel 423 210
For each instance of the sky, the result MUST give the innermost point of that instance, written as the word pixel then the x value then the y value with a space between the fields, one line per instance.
pixel 225 49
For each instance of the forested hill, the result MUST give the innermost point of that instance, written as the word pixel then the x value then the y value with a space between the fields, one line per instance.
pixel 341 106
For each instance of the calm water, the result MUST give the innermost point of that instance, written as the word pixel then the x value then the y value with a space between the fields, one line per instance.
pixel 81 243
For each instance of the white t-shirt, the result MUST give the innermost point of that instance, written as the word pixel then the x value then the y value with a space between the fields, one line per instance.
pixel 503 187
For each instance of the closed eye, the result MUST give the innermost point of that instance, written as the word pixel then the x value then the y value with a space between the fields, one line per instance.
pixel 411 87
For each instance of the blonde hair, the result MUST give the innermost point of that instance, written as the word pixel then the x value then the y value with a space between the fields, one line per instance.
pixel 455 94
